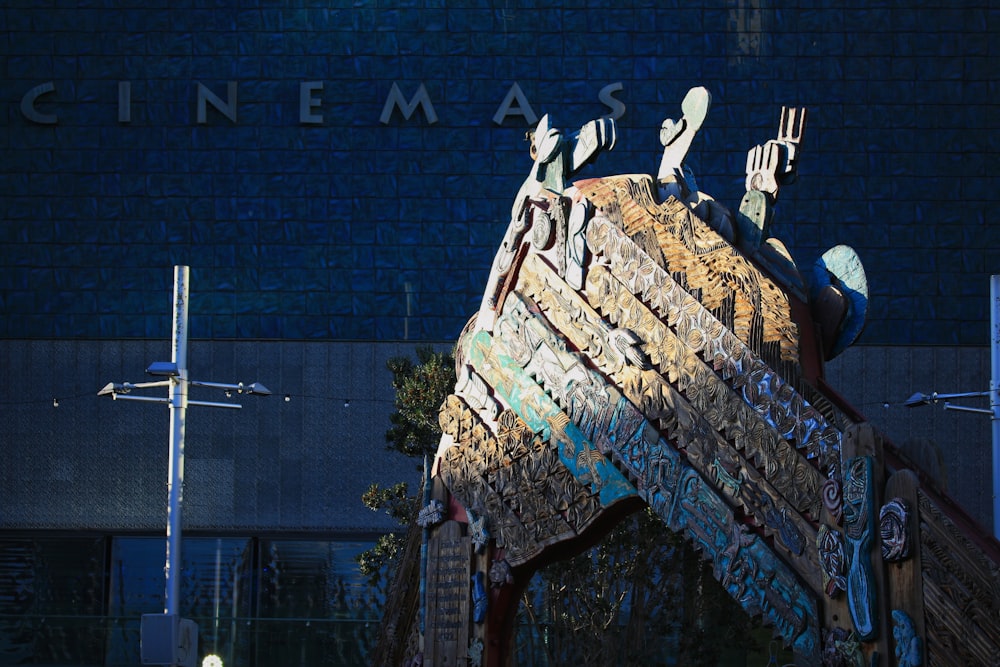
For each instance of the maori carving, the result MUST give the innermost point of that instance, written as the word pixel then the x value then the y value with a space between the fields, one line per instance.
pixel 725 409
pixel 894 529
pixel 631 345
pixel 744 299
pixel 476 392
pixel 478 532
pixel 705 448
pixel 476 653
pixel 859 511
pixel 514 481
pixel 621 431
pixel 493 360
pixel 556 156
pixel 909 650
pixel 832 499
pixel 480 600
pixel 833 558
pixel 676 136
pixel 768 167
pixel 841 649
pixel 431 514
pixel 576 244
pixel 761 387
pixel 500 574
pixel 961 593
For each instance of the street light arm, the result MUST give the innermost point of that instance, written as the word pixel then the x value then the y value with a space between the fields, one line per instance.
pixel 920 398
pixel 254 388
pixel 146 399
pixel 117 388
pixel 965 408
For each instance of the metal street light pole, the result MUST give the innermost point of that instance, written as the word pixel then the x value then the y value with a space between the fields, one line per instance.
pixel 162 634
pixel 994 395
pixel 178 412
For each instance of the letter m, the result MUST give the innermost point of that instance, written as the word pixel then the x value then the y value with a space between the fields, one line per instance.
pixel 396 99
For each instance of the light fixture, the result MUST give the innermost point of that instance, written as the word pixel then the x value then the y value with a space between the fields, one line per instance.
pixel 347 402
pixel 288 397
pixel 164 368
pixel 55 402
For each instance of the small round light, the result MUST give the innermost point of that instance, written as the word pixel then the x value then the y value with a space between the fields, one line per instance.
pixel 211 661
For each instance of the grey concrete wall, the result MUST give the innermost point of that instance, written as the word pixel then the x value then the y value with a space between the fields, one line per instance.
pixel 94 463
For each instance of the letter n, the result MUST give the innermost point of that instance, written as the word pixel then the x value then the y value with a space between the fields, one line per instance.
pixel 206 97
pixel 396 99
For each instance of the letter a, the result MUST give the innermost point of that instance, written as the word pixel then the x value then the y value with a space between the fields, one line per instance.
pixel 523 106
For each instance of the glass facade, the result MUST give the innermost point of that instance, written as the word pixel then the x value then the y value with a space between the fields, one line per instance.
pixel 71 600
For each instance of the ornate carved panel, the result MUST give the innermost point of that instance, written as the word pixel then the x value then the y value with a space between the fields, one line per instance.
pixel 743 298
pixel 761 387
pixel 514 480
pixel 859 530
pixel 961 593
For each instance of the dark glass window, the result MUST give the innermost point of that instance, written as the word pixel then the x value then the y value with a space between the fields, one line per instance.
pixel 51 590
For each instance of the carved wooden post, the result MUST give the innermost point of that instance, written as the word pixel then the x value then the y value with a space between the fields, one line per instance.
pixel 905 583
pixel 447 596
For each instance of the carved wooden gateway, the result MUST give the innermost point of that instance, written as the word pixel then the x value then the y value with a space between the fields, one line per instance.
pixel 638 343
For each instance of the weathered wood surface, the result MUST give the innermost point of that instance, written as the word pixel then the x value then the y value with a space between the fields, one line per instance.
pixel 961 589
pixel 447 596
pixel 905 584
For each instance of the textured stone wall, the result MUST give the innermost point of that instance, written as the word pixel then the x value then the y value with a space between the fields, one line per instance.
pixel 343 227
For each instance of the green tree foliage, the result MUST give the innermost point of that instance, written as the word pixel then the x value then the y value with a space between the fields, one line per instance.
pixel 421 388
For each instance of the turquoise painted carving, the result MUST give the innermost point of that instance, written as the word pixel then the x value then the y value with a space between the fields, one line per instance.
pixel 494 362
pixel 909 649
pixel 747 568
pixel 859 525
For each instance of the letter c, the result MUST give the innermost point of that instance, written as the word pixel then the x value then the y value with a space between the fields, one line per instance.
pixel 28 104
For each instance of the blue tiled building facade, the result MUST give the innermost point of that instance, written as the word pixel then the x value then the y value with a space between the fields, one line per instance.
pixel 305 217
pixel 338 176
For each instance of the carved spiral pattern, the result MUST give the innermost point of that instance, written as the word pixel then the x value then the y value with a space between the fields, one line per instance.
pixel 832 499
pixel 894 529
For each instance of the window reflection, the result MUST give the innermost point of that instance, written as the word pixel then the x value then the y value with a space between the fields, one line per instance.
pixel 257 602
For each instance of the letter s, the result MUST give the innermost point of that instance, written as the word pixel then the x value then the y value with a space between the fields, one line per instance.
pixel 617 107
